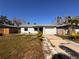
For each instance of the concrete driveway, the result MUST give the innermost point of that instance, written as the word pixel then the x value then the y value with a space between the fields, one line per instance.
pixel 57 41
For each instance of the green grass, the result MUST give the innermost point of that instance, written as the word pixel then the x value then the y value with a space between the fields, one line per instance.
pixel 20 47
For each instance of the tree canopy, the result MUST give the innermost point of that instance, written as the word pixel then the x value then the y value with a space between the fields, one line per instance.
pixel 68 20
pixel 6 21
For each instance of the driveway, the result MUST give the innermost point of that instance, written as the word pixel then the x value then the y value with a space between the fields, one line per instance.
pixel 57 41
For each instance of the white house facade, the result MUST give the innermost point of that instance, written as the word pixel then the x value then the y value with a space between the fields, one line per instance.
pixel 28 30
pixel 46 29
pixel 49 30
pixel 34 29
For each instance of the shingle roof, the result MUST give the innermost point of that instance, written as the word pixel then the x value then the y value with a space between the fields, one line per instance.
pixel 6 25
pixel 32 25
pixel 38 25
pixel 43 25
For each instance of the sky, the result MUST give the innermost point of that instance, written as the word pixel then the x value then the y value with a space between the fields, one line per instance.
pixel 39 11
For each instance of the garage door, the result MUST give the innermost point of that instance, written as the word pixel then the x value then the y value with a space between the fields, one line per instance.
pixel 50 31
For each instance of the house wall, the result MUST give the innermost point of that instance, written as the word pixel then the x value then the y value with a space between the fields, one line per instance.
pixel 13 30
pixel 46 31
pixel 49 30
pixel 64 31
pixel 0 30
pixel 5 31
pixel 77 30
pixel 30 30
pixel 61 31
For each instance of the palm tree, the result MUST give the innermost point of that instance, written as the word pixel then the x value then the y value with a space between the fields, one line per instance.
pixel 75 22
pixel 70 25
pixel 70 20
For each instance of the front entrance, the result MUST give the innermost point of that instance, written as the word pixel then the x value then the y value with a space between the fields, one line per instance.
pixel 41 29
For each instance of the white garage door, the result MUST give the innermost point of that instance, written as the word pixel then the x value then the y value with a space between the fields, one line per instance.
pixel 50 31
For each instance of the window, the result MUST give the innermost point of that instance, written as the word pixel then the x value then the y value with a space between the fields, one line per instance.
pixel 26 29
pixel 35 29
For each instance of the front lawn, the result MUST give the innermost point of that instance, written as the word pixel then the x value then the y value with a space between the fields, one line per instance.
pixel 20 47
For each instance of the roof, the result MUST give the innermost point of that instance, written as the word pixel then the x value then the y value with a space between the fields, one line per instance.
pixel 38 25
pixel 65 25
pixel 5 25
pixel 61 25
pixel 43 25
pixel 32 25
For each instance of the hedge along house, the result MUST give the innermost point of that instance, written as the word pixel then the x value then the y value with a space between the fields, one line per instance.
pixel 34 29
pixel 8 29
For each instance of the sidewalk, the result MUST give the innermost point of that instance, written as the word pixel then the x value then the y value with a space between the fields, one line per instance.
pixel 57 41
pixel 48 50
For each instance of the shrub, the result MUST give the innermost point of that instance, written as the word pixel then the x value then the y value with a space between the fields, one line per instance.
pixel 40 35
pixel 74 35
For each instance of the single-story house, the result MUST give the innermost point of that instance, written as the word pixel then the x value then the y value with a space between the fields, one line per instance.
pixel 34 29
pixel 63 29
pixel 8 29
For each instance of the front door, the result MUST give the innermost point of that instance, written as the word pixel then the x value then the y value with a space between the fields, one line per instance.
pixel 41 29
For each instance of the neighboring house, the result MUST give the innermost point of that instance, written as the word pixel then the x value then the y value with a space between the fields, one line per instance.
pixel 63 29
pixel 34 29
pixel 7 29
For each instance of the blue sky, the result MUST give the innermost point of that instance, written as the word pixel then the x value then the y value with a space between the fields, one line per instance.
pixel 39 11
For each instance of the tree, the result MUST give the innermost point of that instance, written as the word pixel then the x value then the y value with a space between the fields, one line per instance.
pixel 35 23
pixel 3 19
pixel 60 21
pixel 70 20
pixel 69 23
pixel 10 22
pixel 16 21
pixel 28 23
pixel 77 18
pixel 75 21
pixel 72 23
